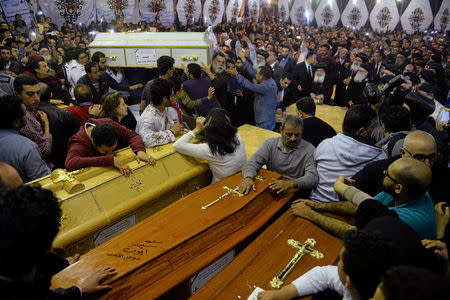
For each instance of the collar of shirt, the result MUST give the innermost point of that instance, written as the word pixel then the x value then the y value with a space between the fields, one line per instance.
pixel 151 109
pixel 88 103
pixel 5 132
pixel 281 147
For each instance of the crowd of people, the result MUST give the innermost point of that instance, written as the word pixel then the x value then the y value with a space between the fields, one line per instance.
pixel 388 168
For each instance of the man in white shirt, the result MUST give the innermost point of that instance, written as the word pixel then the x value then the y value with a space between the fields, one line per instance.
pixel 75 69
pixel 367 253
pixel 155 126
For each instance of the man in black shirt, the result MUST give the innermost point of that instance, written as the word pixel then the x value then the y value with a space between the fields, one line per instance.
pixel 314 129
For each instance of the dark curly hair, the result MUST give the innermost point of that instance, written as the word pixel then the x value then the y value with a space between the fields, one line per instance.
pixel 407 282
pixel 366 257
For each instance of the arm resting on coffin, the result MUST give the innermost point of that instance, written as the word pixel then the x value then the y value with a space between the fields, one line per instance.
pixel 331 225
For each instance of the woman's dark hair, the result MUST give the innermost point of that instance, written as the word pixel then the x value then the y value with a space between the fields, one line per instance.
pixel 220 134
pixel 110 102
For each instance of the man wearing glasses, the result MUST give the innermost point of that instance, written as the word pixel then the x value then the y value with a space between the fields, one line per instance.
pixel 419 145
pixel 405 196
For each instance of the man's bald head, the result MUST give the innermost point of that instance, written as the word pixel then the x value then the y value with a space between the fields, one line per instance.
pixel 413 175
pixel 9 175
pixel 419 144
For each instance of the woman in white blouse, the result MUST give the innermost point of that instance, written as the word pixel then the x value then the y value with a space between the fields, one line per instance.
pixel 224 148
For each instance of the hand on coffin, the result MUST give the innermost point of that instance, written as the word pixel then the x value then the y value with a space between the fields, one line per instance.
pixel 141 155
pixel 342 183
pixel 281 186
pixel 287 292
pixel 123 168
pixel 300 209
pixel 73 259
pixel 136 86
pixel 310 203
pixel 440 248
pixel 239 93
pixel 232 72
pixel 246 185
pixel 92 283
pixel 176 128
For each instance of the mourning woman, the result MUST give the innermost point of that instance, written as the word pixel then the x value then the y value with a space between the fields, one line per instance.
pixel 115 108
pixel 224 148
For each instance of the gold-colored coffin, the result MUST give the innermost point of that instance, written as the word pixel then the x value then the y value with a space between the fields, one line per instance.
pixel 109 200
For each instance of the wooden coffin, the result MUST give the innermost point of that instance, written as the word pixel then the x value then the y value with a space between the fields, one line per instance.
pixel 267 255
pixel 167 248
pixel 109 203
pixel 142 49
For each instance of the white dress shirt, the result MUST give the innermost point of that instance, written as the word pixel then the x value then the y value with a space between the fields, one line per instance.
pixel 74 72
pixel 319 279
pixel 154 127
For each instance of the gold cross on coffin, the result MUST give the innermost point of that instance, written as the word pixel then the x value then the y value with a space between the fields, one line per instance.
pixel 305 248
pixel 229 191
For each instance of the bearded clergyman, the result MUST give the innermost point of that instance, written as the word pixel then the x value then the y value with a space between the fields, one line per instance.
pixel 321 88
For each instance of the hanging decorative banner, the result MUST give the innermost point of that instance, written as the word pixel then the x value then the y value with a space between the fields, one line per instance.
pixel 157 10
pixel 13 7
pixel 253 10
pixel 213 12
pixel 327 13
pixel 442 18
pixel 417 16
pixel 189 11
pixel 113 9
pixel 71 11
pixel 384 16
pixel 233 9
pixel 355 14
pixel 302 13
pixel 283 10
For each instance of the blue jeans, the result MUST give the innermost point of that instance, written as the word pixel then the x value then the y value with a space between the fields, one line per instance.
pixel 266 125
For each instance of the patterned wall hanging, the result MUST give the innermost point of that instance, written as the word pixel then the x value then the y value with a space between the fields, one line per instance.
pixel 355 14
pixel 384 16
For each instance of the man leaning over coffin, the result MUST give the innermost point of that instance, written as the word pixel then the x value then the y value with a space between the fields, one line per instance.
pixel 288 155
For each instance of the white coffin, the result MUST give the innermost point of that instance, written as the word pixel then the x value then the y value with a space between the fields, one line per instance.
pixel 142 49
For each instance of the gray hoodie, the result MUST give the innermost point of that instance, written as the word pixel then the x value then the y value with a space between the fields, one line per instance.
pixel 340 155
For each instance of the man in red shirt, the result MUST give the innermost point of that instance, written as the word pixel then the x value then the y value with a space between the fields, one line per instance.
pixel 94 143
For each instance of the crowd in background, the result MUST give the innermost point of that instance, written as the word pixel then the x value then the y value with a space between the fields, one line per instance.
pixel 388 168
